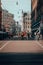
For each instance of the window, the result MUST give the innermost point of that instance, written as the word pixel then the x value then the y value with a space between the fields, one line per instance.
pixel 28 22
pixel 28 26
pixel 28 18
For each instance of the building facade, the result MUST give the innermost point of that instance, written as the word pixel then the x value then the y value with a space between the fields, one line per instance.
pixel 0 14
pixel 7 20
pixel 18 28
pixel 26 22
pixel 36 14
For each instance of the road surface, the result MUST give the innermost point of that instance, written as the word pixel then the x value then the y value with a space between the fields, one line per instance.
pixel 21 46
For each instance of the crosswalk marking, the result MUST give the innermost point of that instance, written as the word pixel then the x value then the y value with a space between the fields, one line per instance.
pixel 36 42
pixel 4 45
pixel 39 44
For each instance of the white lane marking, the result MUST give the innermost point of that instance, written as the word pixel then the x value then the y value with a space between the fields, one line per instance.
pixel 39 44
pixel 4 45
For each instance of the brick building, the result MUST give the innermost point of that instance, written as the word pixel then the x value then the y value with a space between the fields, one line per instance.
pixel 7 20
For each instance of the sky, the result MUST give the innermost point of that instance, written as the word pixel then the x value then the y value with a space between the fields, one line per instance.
pixel 16 6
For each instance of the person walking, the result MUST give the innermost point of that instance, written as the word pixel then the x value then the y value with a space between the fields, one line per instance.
pixel 28 35
pixel 22 36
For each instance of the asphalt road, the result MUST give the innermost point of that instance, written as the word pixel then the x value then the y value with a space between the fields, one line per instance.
pixel 22 46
